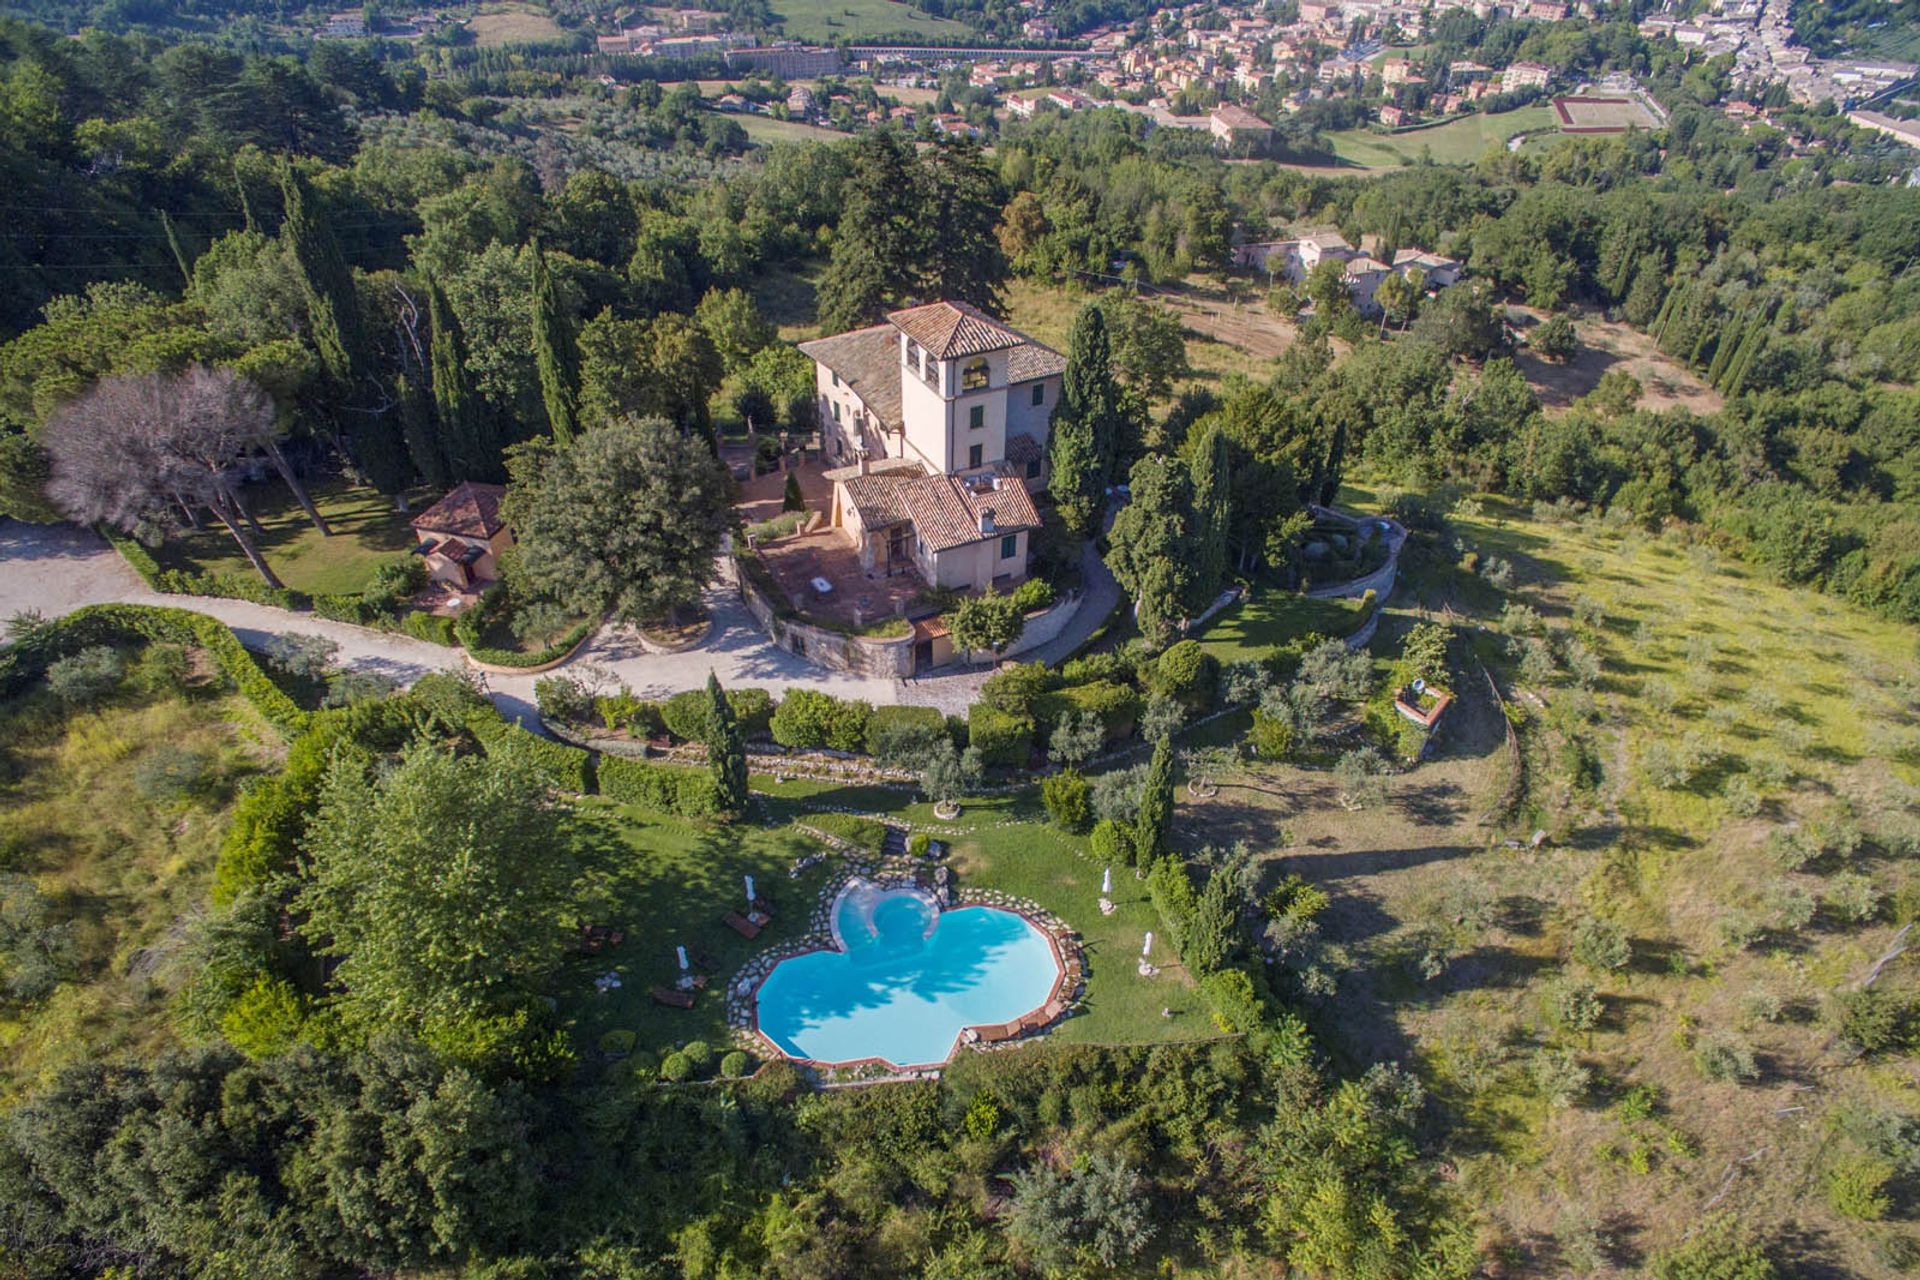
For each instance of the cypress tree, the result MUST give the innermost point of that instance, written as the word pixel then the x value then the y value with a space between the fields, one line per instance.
pixel 417 427
pixel 464 439
pixel 1085 425
pixel 1213 511
pixel 555 354
pixel 1156 806
pixel 726 748
pixel 333 309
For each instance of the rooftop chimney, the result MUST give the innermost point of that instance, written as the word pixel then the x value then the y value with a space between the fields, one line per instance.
pixel 986 519
pixel 861 453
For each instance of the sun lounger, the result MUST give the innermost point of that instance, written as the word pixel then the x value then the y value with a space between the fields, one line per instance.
pixel 669 996
pixel 741 925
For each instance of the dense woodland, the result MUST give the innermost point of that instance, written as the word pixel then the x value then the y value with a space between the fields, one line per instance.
pixel 360 289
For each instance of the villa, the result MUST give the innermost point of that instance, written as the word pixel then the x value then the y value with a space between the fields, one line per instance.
pixel 462 536
pixel 937 420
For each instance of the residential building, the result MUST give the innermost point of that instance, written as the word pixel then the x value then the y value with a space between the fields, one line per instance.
pixel 940 418
pixel 462 536
pixel 1232 123
pixel 1437 270
pixel 1525 75
pixel 1393 117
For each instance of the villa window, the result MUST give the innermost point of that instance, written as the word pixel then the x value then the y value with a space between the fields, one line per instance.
pixel 834 376
pixel 973 457
pixel 836 411
pixel 1033 468
pixel 977 417
pixel 1010 546
pixel 974 376
pixel 1039 393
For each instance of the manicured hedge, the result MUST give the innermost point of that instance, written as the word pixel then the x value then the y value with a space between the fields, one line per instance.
pixel 690 793
pixel 685 713
pixel 1117 705
pixel 106 623
pixel 929 723
pixel 1185 673
pixel 806 719
pixel 226 586
pixel 568 768
pixel 1001 738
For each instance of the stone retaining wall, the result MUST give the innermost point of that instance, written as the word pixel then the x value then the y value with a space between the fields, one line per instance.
pixel 857 655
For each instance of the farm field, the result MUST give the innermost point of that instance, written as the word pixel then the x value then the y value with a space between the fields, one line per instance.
pixel 513 24
pixel 1608 345
pixel 765 130
pixel 1457 142
pixel 1734 795
pixel 828 20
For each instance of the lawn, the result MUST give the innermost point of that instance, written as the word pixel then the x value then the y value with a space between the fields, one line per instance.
pixel 91 815
pixel 1456 142
pixel 367 532
pixel 1044 310
pixel 830 20
pixel 681 877
pixel 1270 617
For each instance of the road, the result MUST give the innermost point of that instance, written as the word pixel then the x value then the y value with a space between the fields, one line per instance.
pixel 56 569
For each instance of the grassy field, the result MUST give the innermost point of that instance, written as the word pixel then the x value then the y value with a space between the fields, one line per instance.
pixel 513 24
pixel 765 130
pixel 682 877
pixel 826 20
pixel 1045 310
pixel 367 532
pixel 1456 142
pixel 1796 715
pixel 90 817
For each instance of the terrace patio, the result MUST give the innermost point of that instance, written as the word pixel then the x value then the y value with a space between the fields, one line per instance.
pixel 855 597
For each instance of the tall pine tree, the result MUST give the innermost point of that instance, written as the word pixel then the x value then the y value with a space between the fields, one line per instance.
pixel 555 353
pixel 726 748
pixel 333 308
pixel 1085 425
pixel 882 232
pixel 464 438
pixel 962 259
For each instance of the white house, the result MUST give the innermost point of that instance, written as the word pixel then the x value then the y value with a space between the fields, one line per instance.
pixel 939 418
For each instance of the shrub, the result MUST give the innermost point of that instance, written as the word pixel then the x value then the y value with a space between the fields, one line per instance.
pixel 918 843
pixel 431 627
pixel 676 1068
pixel 614 710
pixel 1852 897
pixel 1068 800
pixel 1117 706
pixel 1871 1020
pixel 752 710
pixel 677 789
pixel 1111 841
pixel 1724 1057
pixel 86 677
pixel 1110 667
pixel 1033 595
pixel 1014 688
pixel 266 1020
pixel 1559 1076
pixel 736 1064
pixel 1718 1249
pixel 1601 944
pixel 1857 1186
pixel 563 698
pixel 1271 736
pixel 862 833
pixel 699 1053
pixel 806 719
pixel 1186 673
pixel 617 1043
pixel 685 715
pixel 1001 738
pixel 1230 995
pixel 1573 1005
pixel 904 733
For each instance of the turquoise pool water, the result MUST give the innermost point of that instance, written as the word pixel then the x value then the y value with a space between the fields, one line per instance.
pixel 909 978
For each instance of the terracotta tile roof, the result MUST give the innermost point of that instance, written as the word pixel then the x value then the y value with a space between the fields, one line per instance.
pixel 868 360
pixel 1031 360
pixel 470 510
pixel 876 466
pixel 949 329
pixel 1234 116
pixel 944 510
pixel 1022 449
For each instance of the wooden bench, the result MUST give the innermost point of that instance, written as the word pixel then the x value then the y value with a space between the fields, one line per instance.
pixel 741 925
pixel 672 998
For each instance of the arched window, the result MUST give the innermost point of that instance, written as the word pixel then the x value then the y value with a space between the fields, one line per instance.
pixel 974 375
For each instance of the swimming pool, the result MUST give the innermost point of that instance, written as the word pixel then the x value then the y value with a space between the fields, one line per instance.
pixel 907 979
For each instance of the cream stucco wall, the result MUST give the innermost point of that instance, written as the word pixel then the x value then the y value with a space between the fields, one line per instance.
pixel 973 566
pixel 1024 417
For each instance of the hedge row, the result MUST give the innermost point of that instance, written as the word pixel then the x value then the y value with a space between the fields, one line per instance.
pixel 105 623
pixel 568 768
pixel 470 626
pixel 225 586
pixel 688 792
